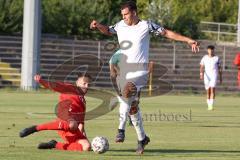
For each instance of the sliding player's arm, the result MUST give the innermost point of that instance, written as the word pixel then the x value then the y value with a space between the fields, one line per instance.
pixel 58 86
pixel 81 124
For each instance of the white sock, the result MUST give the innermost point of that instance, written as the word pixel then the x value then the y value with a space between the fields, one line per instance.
pixel 138 125
pixel 123 114
pixel 208 101
pixel 211 101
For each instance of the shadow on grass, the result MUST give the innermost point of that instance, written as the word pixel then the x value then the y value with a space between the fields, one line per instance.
pixel 220 126
pixel 156 152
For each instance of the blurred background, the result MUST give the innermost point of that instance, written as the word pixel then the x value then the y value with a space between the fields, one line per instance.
pixel 59 31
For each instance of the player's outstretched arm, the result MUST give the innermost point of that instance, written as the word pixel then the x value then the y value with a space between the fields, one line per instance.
pixel 37 78
pixel 178 37
pixel 102 28
pixel 57 86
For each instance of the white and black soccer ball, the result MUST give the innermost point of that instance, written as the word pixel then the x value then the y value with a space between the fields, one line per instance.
pixel 99 144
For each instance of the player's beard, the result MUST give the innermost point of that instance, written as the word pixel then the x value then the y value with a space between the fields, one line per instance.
pixel 127 22
pixel 84 90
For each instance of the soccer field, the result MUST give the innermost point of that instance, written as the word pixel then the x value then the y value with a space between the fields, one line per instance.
pixel 179 126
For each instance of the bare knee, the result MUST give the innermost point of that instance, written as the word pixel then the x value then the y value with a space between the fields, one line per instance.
pixel 86 146
pixel 129 90
pixel 134 107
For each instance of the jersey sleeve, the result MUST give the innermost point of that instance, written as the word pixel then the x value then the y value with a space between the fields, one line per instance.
pixel 202 61
pixel 155 28
pixel 112 29
pixel 77 110
pixel 115 59
pixel 61 87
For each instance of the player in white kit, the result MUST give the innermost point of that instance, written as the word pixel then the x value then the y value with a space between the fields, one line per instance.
pixel 133 37
pixel 210 67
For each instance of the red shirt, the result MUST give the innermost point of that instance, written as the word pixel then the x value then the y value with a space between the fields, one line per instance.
pixel 72 104
pixel 237 59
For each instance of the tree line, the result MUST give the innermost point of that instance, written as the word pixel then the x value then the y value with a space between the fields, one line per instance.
pixel 72 17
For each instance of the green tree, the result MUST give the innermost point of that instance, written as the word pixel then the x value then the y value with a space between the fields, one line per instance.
pixel 11 16
pixel 72 17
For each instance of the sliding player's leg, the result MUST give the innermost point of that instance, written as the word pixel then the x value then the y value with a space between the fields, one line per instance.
pixel 86 145
pixel 73 141
pixel 79 145
pixel 54 125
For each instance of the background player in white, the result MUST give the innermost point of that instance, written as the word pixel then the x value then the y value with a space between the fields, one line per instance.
pixel 134 32
pixel 210 67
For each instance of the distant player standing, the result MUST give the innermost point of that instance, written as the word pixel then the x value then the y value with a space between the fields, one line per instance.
pixel 210 67
pixel 73 106
pixel 135 33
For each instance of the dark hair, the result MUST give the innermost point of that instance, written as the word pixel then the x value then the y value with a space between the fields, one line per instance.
pixel 211 47
pixel 84 75
pixel 131 5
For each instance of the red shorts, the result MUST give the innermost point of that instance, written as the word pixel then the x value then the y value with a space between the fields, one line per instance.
pixel 72 136
pixel 238 78
pixel 239 75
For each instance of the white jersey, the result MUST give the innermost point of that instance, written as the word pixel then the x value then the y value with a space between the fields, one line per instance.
pixel 211 65
pixel 134 40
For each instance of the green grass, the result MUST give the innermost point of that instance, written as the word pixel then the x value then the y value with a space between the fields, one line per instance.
pixel 196 134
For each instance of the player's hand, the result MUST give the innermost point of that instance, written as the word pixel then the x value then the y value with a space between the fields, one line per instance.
pixel 81 127
pixel 93 24
pixel 194 45
pixel 37 77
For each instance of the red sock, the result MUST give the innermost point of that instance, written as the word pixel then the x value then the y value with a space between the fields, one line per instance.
pixel 69 146
pixel 55 125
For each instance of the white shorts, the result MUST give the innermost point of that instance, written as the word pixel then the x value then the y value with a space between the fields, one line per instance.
pixel 139 80
pixel 137 73
pixel 210 81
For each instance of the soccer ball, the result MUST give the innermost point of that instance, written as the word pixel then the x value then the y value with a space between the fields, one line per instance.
pixel 99 144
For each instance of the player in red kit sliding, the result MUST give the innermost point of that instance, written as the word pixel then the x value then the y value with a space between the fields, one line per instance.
pixel 72 107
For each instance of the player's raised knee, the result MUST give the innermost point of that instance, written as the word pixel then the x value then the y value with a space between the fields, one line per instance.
pixel 86 147
pixel 134 108
pixel 129 90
